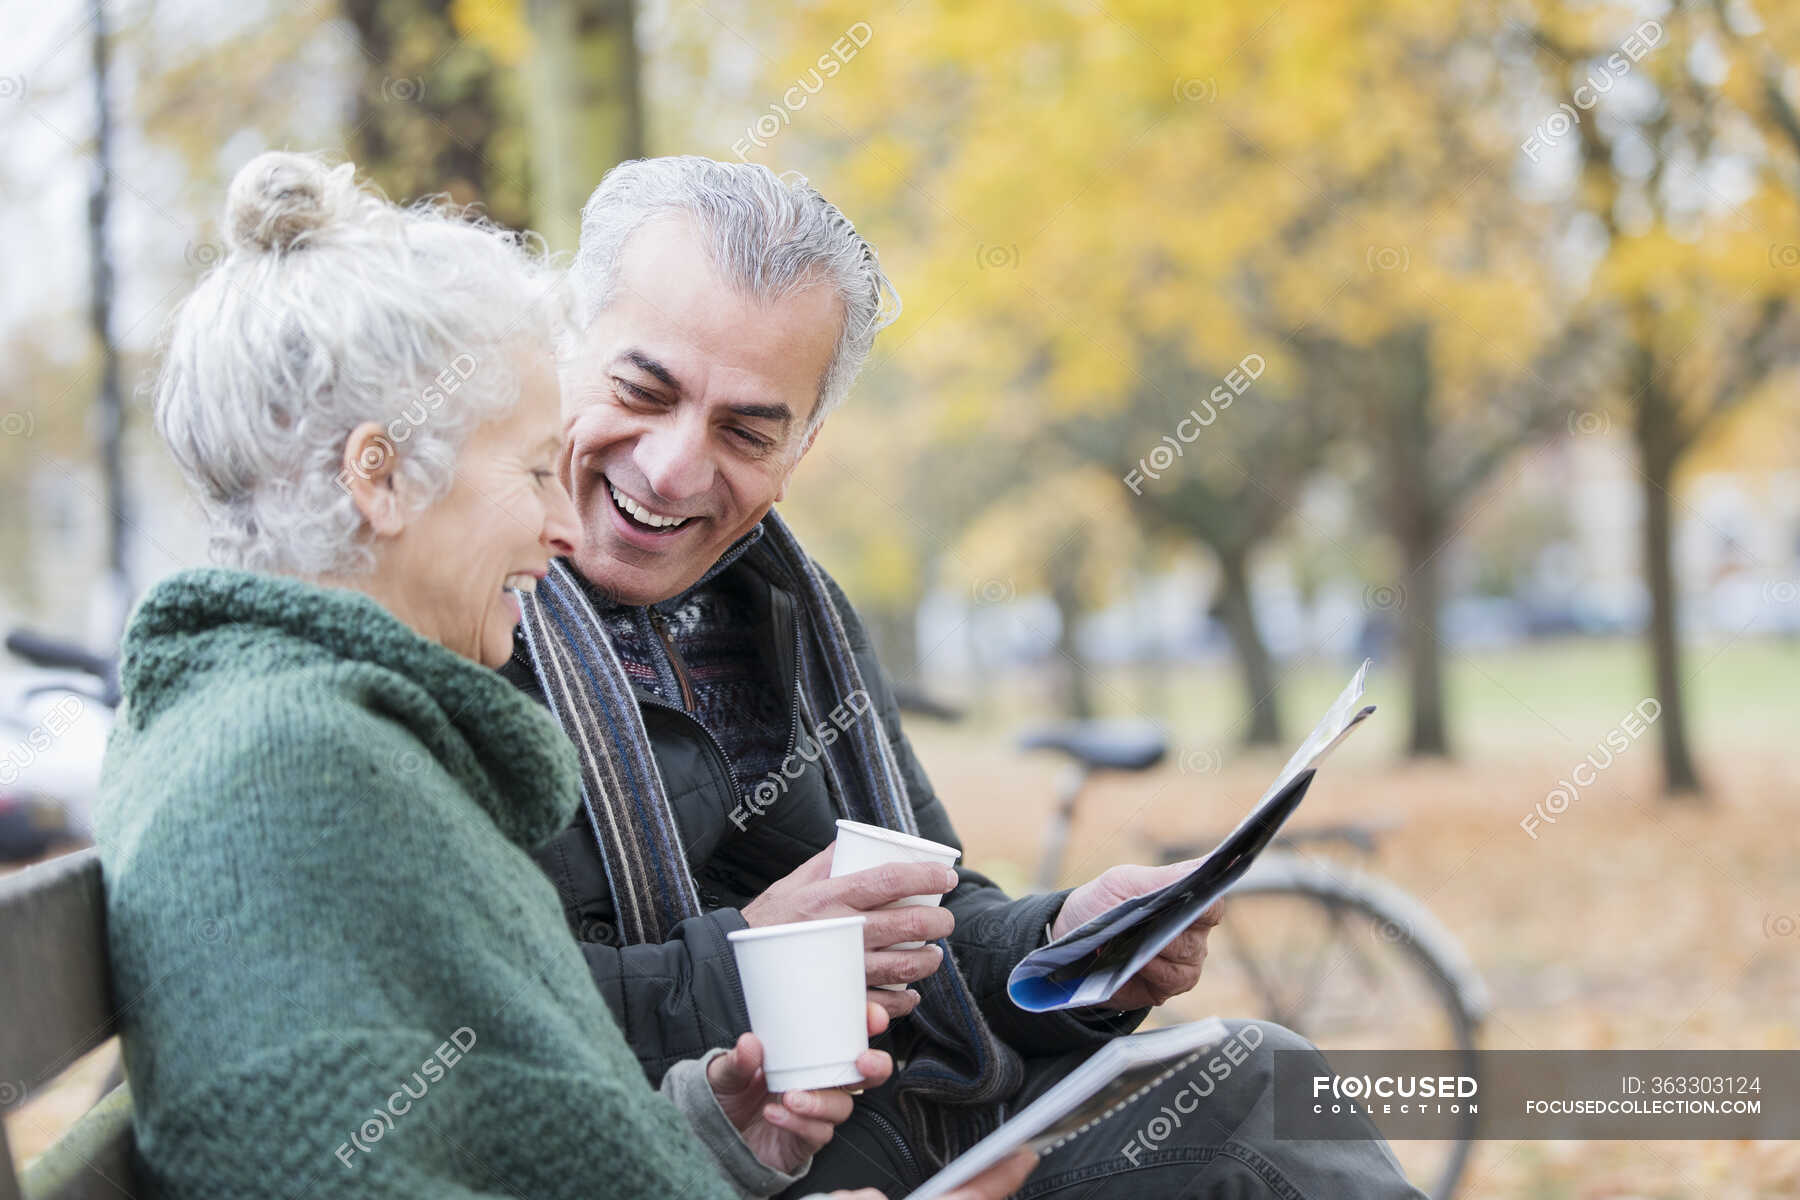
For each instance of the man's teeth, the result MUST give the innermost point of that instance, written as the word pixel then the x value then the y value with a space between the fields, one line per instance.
pixel 521 582
pixel 654 520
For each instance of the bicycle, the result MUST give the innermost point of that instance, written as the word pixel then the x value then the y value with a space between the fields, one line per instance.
pixel 48 778
pixel 1294 923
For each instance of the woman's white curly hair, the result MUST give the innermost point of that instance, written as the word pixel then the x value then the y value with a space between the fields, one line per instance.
pixel 330 308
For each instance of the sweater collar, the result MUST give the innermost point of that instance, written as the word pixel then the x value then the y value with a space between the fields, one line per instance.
pixel 204 626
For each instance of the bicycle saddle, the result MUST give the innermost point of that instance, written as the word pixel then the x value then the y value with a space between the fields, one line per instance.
pixel 1113 745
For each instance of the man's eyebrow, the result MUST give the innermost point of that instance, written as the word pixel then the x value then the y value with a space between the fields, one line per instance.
pixel 765 412
pixel 755 412
pixel 651 367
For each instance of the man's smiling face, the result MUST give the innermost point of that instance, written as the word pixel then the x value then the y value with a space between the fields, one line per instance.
pixel 685 408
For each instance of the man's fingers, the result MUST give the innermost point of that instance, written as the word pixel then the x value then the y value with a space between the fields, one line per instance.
pixel 878 1020
pixel 815 868
pixel 877 1067
pixel 1188 947
pixel 908 923
pixel 894 1004
pixel 1165 979
pixel 880 886
pixel 901 966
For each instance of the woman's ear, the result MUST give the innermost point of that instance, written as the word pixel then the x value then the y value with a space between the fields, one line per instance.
pixel 370 460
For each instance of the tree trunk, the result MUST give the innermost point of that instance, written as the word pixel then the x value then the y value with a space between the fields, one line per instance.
pixel 1078 690
pixel 1658 450
pixel 1416 516
pixel 587 110
pixel 1420 607
pixel 1254 665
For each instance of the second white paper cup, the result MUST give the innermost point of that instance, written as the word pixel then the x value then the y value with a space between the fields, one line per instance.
pixel 861 846
pixel 803 985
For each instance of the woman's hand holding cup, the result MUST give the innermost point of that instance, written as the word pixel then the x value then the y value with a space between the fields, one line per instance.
pixel 785 1130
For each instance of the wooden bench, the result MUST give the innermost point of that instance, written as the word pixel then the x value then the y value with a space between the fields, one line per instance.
pixel 55 1006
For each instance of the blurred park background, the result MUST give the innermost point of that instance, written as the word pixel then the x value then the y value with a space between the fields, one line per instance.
pixel 1241 342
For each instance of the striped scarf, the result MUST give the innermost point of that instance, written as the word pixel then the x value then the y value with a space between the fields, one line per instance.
pixel 960 1073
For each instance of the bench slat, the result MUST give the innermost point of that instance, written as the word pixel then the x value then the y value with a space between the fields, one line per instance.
pixel 55 988
pixel 92 1161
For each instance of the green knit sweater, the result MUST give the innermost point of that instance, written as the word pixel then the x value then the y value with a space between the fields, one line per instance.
pixel 340 972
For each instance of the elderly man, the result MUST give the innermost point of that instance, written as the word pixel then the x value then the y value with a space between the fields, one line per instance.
pixel 728 708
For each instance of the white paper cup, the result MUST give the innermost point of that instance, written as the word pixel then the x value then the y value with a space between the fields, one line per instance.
pixel 803 985
pixel 860 847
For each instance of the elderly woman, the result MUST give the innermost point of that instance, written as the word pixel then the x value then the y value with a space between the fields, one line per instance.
pixel 340 971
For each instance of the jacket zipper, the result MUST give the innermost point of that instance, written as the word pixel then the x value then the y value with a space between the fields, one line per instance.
pixel 661 624
pixel 912 1164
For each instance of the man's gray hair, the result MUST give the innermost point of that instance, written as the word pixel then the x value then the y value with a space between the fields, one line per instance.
pixel 332 307
pixel 769 235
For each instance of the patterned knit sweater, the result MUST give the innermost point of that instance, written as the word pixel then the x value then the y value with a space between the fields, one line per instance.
pixel 341 973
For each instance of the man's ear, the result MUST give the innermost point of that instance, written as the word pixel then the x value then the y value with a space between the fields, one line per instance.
pixel 781 492
pixel 370 461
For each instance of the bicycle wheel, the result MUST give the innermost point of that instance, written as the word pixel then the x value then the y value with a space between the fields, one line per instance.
pixel 1349 962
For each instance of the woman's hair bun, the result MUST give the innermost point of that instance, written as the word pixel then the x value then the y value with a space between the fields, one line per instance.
pixel 279 198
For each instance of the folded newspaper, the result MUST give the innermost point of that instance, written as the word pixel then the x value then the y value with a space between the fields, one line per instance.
pixel 1114 1076
pixel 1087 965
